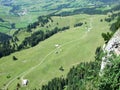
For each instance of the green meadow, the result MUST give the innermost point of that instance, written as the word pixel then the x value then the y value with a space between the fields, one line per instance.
pixel 41 63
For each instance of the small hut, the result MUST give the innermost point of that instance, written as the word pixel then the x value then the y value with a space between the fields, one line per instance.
pixel 24 82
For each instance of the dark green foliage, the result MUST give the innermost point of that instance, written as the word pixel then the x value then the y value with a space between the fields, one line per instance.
pixel 38 36
pixel 99 54
pixel 32 26
pixel 55 84
pixel 115 15
pixel 107 36
pixel 61 68
pixel 29 27
pixel 111 78
pixel 114 27
pixel 16 39
pixel 111 17
pixel 18 78
pixel 20 47
pixel 1 20
pixel 101 20
pixel 16 32
pixel 18 85
pixel 85 22
pixel 91 10
pixel 14 58
pixel 117 7
pixel 57 23
pixel 79 77
pixel 65 28
pixel 13 25
pixel 14 9
pixel 42 21
pixel 4 37
pixel 108 19
pixel 5 49
pixel 78 24
pixel 8 76
pixel 33 40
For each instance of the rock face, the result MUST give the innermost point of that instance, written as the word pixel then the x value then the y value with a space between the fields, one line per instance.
pixel 112 46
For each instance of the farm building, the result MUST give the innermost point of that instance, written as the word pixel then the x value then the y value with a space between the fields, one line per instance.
pixel 24 82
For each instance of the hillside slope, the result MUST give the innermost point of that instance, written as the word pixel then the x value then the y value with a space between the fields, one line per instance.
pixel 42 62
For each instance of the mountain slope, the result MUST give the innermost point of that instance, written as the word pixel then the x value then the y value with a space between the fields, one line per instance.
pixel 42 62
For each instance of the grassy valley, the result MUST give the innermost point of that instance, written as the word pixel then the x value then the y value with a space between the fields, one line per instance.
pixel 44 39
pixel 76 45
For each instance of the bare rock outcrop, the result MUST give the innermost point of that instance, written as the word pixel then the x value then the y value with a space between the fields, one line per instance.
pixel 112 46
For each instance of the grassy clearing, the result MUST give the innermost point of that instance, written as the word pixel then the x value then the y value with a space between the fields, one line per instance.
pixel 42 62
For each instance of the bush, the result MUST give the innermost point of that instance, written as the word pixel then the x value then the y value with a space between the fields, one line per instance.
pixel 8 76
pixel 61 68
pixel 78 24
pixel 14 58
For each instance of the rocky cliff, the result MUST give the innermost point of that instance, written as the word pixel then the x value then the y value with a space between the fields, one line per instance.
pixel 112 46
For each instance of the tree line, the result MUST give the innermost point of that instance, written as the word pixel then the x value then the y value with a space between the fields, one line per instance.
pixel 112 16
pixel 38 36
pixel 78 24
pixel 115 26
pixel 9 46
pixel 1 20
pixel 86 10
pixel 78 78
pixel 41 21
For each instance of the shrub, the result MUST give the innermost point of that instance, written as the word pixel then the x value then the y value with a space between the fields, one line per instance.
pixel 14 58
